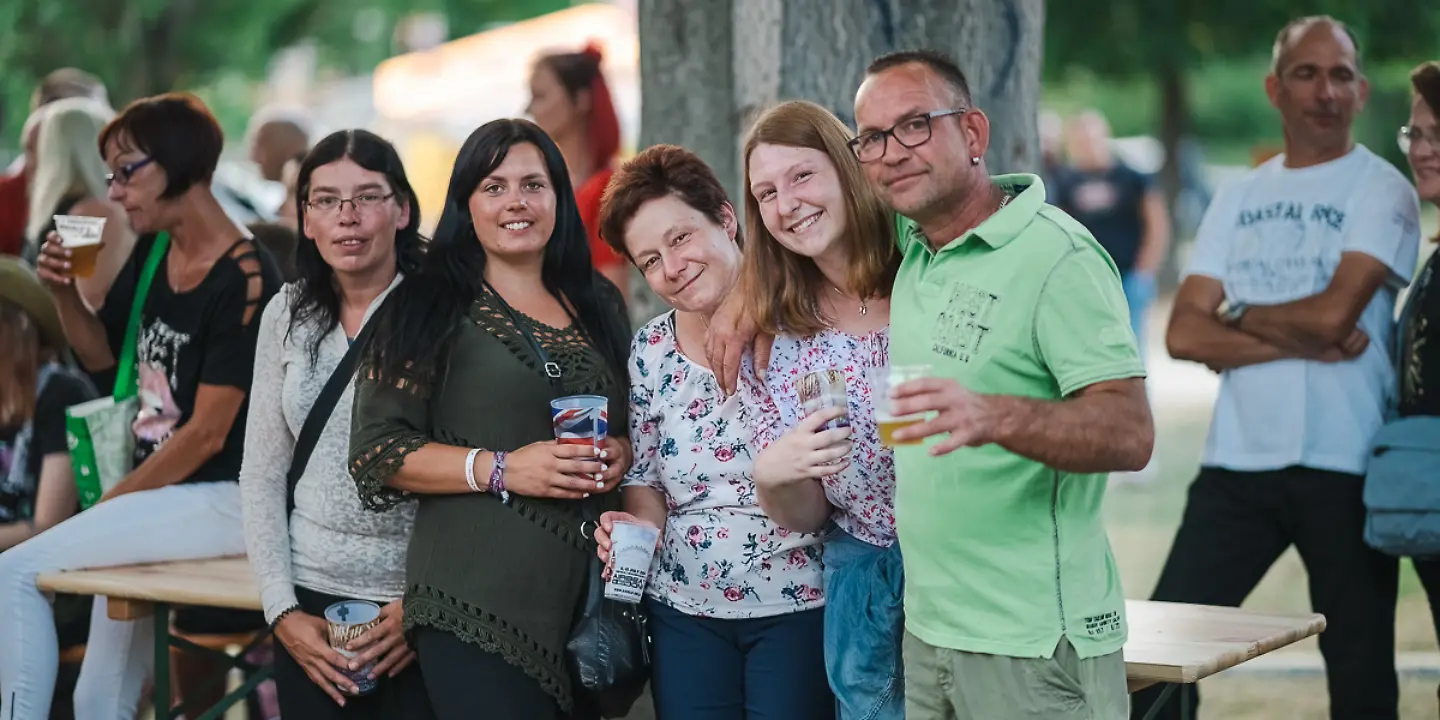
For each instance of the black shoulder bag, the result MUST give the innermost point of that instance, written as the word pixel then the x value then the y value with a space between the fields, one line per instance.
pixel 609 645
pixel 320 412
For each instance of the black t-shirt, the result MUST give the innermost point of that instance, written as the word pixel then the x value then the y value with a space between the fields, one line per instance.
pixel 64 388
pixel 1420 347
pixel 1108 203
pixel 205 336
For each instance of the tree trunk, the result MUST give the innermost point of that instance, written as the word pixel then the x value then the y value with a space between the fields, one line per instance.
pixel 1174 117
pixel 707 67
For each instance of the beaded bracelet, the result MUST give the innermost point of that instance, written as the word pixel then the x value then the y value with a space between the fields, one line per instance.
pixel 497 478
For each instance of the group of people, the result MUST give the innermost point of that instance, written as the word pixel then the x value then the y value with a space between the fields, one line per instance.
pixel 805 568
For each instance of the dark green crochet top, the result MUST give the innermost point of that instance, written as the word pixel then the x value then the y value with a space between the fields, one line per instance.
pixel 506 578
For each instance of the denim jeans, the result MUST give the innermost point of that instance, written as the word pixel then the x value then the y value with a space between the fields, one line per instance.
pixel 764 668
pixel 864 628
pixel 1140 291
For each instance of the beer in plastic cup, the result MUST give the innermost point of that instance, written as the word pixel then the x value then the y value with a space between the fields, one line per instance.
pixel 632 546
pixel 81 235
pixel 581 419
pixel 347 620
pixel 820 390
pixel 883 381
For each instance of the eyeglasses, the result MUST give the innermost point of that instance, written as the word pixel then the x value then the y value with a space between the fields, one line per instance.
pixel 327 204
pixel 126 172
pixel 1410 134
pixel 911 132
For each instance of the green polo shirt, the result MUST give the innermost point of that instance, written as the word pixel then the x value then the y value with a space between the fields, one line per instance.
pixel 1003 555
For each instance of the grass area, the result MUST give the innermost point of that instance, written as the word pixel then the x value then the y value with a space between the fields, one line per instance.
pixel 1142 520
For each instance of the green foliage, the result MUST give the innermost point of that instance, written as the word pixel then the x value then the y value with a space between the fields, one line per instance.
pixel 143 47
pixel 1126 38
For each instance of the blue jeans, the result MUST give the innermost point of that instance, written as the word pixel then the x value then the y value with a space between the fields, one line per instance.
pixel 750 669
pixel 864 628
pixel 1139 295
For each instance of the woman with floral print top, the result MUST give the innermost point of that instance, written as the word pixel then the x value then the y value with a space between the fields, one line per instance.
pixel 817 277
pixel 734 599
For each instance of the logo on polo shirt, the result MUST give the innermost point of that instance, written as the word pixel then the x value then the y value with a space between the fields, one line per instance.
pixel 962 326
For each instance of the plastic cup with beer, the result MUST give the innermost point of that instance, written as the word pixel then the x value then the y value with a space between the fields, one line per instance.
pixel 346 621
pixel 820 390
pixel 581 420
pixel 632 547
pixel 81 235
pixel 883 381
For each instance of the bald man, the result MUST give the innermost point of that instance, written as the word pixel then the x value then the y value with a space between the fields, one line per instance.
pixel 1289 295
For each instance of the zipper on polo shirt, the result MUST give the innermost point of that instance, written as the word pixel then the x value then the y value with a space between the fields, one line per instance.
pixel 1055 534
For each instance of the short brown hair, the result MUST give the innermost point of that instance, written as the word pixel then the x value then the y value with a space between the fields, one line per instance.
pixel 1425 79
pixel 177 131
pixel 781 286
pixel 1299 26
pixel 656 172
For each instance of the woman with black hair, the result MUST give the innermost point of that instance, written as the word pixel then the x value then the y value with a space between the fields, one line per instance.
pixel 452 406
pixel 358 222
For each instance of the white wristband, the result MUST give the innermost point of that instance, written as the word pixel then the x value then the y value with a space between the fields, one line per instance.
pixel 470 470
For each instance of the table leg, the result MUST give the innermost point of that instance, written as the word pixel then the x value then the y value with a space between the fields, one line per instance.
pixel 162 661
pixel 1165 694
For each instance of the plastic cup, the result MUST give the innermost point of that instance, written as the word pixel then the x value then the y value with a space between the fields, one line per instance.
pixel 581 419
pixel 632 547
pixel 883 381
pixel 81 235
pixel 347 620
pixel 822 389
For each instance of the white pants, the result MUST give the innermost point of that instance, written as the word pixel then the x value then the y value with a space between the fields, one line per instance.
pixel 180 522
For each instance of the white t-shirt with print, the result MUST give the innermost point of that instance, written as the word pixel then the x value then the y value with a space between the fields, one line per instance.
pixel 1273 236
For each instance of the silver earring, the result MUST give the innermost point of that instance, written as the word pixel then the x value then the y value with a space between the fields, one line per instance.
pixel 974 159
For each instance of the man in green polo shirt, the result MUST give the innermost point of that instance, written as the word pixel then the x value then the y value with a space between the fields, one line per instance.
pixel 1012 598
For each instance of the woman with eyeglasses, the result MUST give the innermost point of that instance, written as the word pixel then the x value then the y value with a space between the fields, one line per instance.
pixel 452 408
pixel 1419 331
pixel 194 354
pixel 312 544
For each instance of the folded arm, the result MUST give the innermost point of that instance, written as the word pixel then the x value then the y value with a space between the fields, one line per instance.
pixel 1311 325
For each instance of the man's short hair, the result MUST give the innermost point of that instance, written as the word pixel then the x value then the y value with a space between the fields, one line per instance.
pixel 177 131
pixel 938 62
pixel 67 83
pixel 1297 27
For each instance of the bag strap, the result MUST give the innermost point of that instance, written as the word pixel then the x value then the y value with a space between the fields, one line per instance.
pixel 125 381
pixel 320 412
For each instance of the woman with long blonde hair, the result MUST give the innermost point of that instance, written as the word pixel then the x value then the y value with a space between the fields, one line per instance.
pixel 69 179
pixel 817 276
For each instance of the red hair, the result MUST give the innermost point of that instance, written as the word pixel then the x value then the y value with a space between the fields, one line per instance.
pixel 580 71
pixel 604 123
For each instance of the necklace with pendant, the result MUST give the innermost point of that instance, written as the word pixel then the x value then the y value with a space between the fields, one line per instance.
pixel 864 308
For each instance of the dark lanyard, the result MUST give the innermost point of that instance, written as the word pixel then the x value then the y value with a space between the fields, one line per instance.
pixel 552 368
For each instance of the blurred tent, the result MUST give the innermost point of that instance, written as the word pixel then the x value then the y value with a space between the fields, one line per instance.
pixel 428 102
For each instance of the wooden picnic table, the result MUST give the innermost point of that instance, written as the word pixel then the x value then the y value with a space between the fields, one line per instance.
pixel 1168 642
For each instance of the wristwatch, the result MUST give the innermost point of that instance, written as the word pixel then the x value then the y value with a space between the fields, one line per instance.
pixel 1231 312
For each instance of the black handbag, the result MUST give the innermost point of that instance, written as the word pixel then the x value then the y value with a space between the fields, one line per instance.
pixel 609 645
